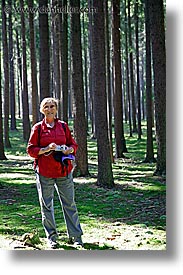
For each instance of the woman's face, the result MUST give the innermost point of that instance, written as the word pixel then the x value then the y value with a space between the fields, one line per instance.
pixel 50 110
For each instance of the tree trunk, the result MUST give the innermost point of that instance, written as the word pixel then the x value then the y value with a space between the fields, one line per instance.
pixel 12 74
pixel 149 143
pixel 156 13
pixel 2 153
pixel 64 61
pixel 56 57
pixel 91 71
pixel 19 61
pixel 25 104
pixel 127 74
pixel 80 126
pixel 138 73
pixel 44 54
pixel 85 66
pixel 134 128
pixel 108 80
pixel 6 78
pixel 105 175
pixel 35 114
pixel 118 103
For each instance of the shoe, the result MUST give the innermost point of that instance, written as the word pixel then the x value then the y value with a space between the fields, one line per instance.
pixel 52 244
pixel 76 241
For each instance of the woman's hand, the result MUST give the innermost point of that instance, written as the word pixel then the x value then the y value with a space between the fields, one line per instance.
pixel 47 149
pixel 69 150
pixel 52 146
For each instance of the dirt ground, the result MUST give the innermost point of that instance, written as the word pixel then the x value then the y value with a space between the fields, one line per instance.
pixel 117 236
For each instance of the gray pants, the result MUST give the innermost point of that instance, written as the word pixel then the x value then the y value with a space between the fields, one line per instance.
pixel 65 190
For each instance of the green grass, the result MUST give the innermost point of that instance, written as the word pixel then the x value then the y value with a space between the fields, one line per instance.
pixel 130 216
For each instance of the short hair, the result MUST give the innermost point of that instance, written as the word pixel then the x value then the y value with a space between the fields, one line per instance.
pixel 48 100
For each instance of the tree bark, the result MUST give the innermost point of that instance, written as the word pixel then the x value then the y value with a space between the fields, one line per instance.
pixel 6 78
pixel 127 74
pixel 149 144
pixel 134 124
pixel 44 53
pixel 12 74
pixel 35 114
pixel 156 13
pixel 138 73
pixel 118 103
pixel 108 80
pixel 80 126
pixel 64 61
pixel 25 104
pixel 105 175
pixel 2 153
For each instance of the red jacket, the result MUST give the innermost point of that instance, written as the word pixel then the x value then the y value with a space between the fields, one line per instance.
pixel 47 165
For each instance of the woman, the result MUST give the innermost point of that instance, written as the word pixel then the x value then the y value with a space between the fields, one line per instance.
pixel 44 139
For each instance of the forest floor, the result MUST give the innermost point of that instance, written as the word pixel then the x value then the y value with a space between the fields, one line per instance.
pixel 130 216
